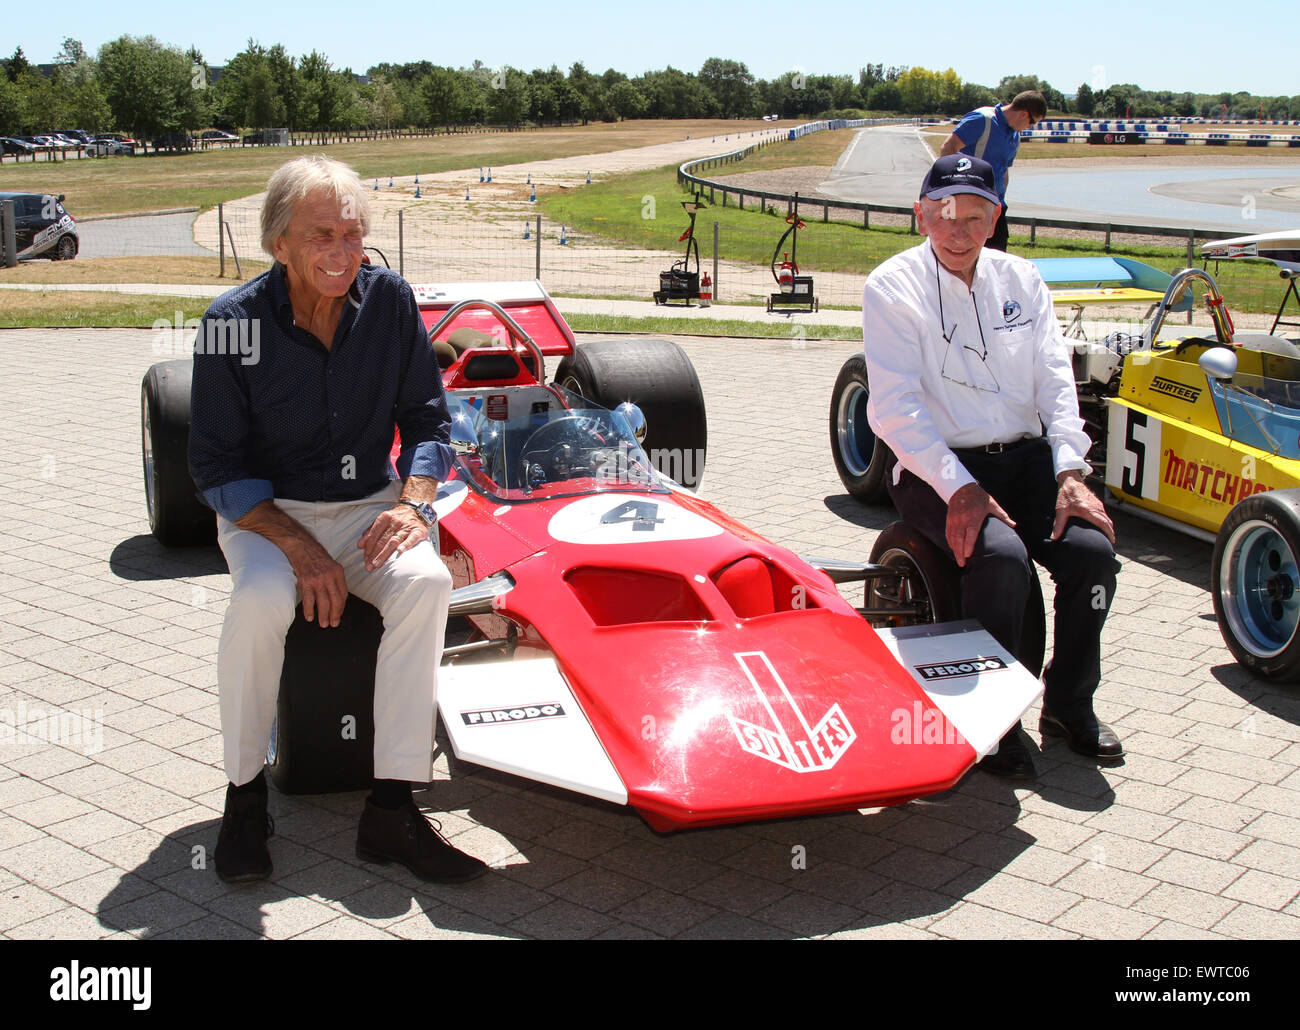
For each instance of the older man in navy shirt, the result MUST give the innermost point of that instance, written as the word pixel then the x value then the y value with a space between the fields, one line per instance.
pixel 289 443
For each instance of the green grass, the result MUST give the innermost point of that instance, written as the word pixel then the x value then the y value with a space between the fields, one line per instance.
pixel 57 309
pixel 619 210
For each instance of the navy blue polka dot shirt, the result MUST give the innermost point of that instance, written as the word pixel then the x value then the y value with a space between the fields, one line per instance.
pixel 275 414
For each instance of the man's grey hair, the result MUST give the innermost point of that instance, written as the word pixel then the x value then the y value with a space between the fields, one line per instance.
pixel 297 178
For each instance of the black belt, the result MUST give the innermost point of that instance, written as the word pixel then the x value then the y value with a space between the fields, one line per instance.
pixel 997 448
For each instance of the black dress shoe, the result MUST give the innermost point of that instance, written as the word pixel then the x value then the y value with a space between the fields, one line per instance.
pixel 403 835
pixel 1012 760
pixel 1085 736
pixel 242 855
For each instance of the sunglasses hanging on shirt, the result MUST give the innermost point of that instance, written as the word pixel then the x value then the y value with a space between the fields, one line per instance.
pixel 957 367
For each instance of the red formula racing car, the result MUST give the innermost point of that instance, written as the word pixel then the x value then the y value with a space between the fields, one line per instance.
pixel 615 634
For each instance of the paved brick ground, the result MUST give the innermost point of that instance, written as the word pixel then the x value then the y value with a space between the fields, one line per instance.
pixel 102 824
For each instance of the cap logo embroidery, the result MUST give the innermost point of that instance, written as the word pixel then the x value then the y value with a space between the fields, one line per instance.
pixel 963 164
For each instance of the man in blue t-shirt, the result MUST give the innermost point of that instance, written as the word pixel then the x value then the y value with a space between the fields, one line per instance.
pixel 993 134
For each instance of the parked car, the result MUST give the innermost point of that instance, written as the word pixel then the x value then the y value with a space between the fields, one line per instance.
pixel 211 136
pixel 43 226
pixel 9 145
pixel 109 148
pixel 174 141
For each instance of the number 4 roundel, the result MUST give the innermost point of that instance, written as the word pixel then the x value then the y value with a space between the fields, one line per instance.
pixel 621 519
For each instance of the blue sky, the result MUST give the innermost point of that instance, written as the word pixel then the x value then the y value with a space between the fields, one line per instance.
pixel 1200 46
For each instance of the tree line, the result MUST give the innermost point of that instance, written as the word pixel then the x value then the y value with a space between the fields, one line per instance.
pixel 147 88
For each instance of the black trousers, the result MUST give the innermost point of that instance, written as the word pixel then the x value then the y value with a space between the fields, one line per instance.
pixel 1001 233
pixel 995 580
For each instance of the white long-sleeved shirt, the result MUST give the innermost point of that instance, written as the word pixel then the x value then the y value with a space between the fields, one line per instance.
pixel 1005 375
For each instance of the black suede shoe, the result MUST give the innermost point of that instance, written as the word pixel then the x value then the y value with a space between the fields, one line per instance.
pixel 1012 760
pixel 1085 735
pixel 405 836
pixel 242 855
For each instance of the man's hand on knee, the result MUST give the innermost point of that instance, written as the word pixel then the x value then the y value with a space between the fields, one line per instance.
pixel 396 530
pixel 967 510
pixel 321 581
pixel 1075 500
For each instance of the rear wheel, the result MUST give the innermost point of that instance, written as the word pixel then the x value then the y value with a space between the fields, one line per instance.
pixel 929 577
pixel 1256 583
pixel 176 516
pixel 861 460
pixel 932 580
pixel 656 376
pixel 324 733
pixel 66 249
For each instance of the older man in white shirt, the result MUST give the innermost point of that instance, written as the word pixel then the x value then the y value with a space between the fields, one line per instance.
pixel 971 387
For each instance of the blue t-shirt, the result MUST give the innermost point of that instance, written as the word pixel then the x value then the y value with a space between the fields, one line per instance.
pixel 275 414
pixel 988 136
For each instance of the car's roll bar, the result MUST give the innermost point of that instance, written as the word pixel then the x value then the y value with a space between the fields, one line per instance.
pixel 516 333
pixel 1222 322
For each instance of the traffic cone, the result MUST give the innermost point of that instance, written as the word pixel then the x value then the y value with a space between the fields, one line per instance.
pixel 564 240
pixel 588 177
pixel 489 175
pixel 467 193
pixel 480 175
pixel 376 184
pixel 533 195
pixel 706 291
pixel 527 230
pixel 417 191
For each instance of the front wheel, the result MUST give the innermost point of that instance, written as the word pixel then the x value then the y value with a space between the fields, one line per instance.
pixel 861 460
pixel 1255 581
pixel 930 590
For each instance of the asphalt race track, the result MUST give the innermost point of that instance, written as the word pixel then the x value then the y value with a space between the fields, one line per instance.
pixel 886 165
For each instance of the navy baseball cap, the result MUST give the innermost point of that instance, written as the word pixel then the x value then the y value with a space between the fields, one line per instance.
pixel 958 173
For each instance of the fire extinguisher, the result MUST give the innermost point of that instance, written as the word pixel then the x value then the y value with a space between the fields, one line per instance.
pixel 785 275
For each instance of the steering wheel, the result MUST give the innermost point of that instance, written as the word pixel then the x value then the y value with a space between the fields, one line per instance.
pixel 548 453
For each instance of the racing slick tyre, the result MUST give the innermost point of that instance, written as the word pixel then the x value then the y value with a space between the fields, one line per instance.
pixel 66 249
pixel 657 376
pixel 176 515
pixel 1254 580
pixel 323 740
pixel 932 579
pixel 861 460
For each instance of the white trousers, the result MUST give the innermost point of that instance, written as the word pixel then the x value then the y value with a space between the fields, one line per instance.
pixel 411 591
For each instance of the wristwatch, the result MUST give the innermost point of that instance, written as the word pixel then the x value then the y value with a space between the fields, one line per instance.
pixel 422 508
